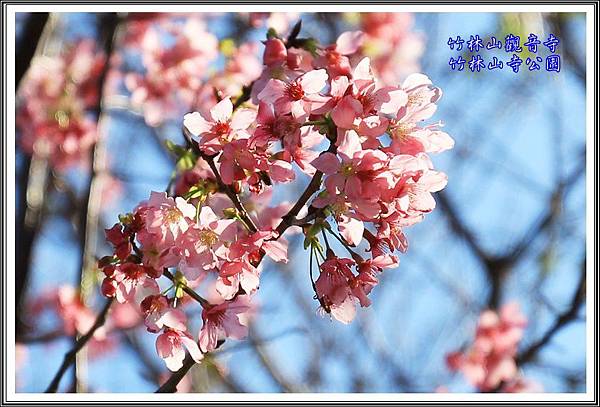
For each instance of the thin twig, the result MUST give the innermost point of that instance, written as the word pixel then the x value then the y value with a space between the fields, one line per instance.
pixel 69 358
pixel 189 291
pixel 563 319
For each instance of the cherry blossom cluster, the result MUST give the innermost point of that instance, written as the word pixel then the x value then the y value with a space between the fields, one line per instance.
pixel 71 316
pixel 166 232
pixel 393 46
pixel 174 54
pixel 55 115
pixel 310 112
pixel 489 362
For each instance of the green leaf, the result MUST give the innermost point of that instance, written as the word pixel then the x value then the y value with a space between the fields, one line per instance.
pixel 271 33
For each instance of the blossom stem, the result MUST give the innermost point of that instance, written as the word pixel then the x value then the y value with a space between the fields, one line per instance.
pixel 203 302
pixel 357 257
pixel 230 193
pixel 210 160
pixel 325 238
pixel 313 123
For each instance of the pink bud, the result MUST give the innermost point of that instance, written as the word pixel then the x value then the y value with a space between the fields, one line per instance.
pixel 275 52
pixel 109 270
pixel 109 287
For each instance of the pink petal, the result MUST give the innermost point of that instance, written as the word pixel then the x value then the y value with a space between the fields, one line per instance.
pixel 208 337
pixel 346 111
pixel 348 42
pixel 299 112
pixel 313 81
pixel 242 119
pixel 221 112
pixel 192 348
pixel 339 86
pixel 327 163
pixel 353 187
pixel 433 181
pixel 276 250
pixel 281 171
pixel 373 126
pixel 415 80
pixel 352 230
pixel 207 216
pixel 196 124
pixel 173 355
pixel 265 113
pixel 362 72
pixel 439 141
pixel 173 318
pixel 392 101
pixel 350 144
pixel 275 52
pixel 345 312
pixel 272 91
pixel 249 282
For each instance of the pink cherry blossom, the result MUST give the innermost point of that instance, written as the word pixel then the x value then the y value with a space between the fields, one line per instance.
pixel 334 288
pixel 158 314
pixel 168 218
pixel 222 127
pixel 334 58
pixel 171 346
pixel 54 105
pixel 357 172
pixel 223 321
pixel 490 362
pixel 202 247
pixel 299 96
pixel 235 274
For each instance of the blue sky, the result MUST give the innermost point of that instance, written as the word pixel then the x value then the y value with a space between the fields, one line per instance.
pixel 512 131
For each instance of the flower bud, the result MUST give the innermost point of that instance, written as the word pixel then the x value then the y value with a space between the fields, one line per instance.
pixel 275 52
pixel 109 287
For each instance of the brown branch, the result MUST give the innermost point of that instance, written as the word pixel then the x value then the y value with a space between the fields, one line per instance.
pixel 230 193
pixel 32 32
pixel 458 225
pixel 314 185
pixel 34 185
pixel 69 358
pixel 41 338
pixel 92 197
pixel 561 321
pixel 550 214
pixel 170 386
pixel 269 365
pixel 497 267
pixel 28 220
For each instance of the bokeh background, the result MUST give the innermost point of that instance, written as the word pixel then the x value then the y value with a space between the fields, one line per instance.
pixel 510 225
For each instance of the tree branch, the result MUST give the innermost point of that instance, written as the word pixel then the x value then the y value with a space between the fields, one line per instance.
pixel 563 319
pixel 170 386
pixel 32 32
pixel 92 198
pixel 69 358
pixel 314 185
